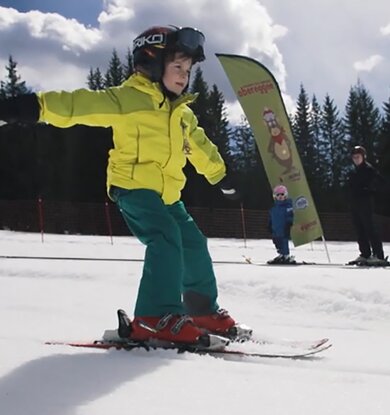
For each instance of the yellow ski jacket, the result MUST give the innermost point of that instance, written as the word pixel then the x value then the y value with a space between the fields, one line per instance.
pixel 153 137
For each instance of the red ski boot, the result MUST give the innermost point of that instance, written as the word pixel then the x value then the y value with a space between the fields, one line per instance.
pixel 221 323
pixel 171 328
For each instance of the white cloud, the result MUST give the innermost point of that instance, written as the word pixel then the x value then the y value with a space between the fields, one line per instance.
pixel 385 30
pixel 116 10
pixel 44 42
pixel 368 64
pixel 66 72
pixel 320 48
pixel 47 26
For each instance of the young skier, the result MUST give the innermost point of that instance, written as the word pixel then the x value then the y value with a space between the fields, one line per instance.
pixel 281 218
pixel 154 134
pixel 364 182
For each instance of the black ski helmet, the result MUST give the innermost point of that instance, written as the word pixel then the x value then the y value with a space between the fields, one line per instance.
pixel 152 46
pixel 359 150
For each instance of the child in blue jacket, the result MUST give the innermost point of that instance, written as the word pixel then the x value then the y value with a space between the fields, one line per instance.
pixel 281 218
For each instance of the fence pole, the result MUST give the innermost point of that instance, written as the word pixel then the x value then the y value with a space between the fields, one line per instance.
pixel 40 218
pixel 108 218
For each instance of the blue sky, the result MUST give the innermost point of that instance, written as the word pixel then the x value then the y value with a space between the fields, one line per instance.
pixel 328 45
pixel 86 11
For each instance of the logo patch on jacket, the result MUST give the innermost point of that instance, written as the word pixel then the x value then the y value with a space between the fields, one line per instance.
pixel 187 150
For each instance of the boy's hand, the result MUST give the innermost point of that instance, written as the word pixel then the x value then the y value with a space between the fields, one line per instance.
pixel 228 190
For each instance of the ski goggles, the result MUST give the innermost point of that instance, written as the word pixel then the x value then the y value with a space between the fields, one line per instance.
pixel 190 41
pixel 185 39
pixel 279 194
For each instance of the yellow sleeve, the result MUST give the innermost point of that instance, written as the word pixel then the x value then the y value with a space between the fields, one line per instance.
pixel 82 106
pixel 204 154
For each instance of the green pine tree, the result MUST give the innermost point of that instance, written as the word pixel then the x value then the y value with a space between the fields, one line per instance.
pixel 315 132
pixel 115 72
pixel 333 146
pixel 98 79
pixel 197 191
pixel 219 129
pixel 248 167
pixel 12 86
pixel 363 120
pixel 95 80
pixel 91 80
pixel 243 152
pixel 384 148
pixel 303 135
pixel 128 68
pixel 200 106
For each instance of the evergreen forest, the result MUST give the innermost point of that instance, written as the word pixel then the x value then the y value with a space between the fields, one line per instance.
pixel 70 164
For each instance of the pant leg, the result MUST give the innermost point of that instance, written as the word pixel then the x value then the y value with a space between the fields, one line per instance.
pixel 360 228
pixel 284 248
pixel 199 283
pixel 150 221
pixel 376 244
pixel 371 231
pixel 277 242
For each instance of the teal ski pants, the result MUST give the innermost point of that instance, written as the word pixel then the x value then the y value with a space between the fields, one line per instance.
pixel 178 275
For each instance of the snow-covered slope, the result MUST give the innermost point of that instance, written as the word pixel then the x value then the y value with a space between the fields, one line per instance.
pixel 76 300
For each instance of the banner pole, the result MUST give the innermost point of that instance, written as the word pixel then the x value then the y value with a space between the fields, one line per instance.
pixel 243 223
pixel 326 248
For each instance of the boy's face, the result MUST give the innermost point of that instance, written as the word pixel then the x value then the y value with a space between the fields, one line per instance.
pixel 177 73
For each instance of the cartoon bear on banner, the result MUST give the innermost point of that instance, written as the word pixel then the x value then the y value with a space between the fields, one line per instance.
pixel 279 144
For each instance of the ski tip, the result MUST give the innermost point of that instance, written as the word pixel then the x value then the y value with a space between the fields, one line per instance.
pixel 247 259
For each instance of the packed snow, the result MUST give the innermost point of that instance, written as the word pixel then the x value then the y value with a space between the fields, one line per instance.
pixel 74 299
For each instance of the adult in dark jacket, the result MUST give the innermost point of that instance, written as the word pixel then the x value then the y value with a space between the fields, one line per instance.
pixel 364 182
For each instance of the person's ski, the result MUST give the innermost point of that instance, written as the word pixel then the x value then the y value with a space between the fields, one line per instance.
pixel 224 351
pixel 238 342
